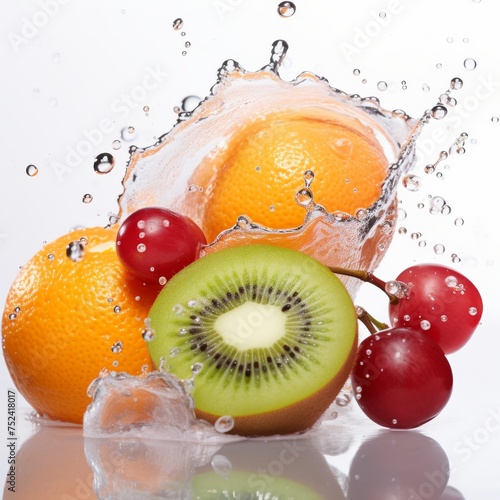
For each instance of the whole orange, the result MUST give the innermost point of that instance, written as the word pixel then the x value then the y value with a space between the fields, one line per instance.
pixel 262 168
pixel 72 311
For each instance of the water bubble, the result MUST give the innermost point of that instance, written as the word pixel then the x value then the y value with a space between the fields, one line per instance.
pixel 446 210
pixel 382 85
pixel 438 112
pixel 470 64
pixel 415 236
pixel 75 251
pixel 456 83
pixel 439 249
pixel 425 325
pixel 162 280
pixel 187 45
pixel 455 258
pixel 449 39
pixel 402 230
pixel 148 334
pixel 184 53
pixel 459 222
pixel 430 169
pixel 382 14
pixel 364 80
pixel 286 9
pixel 224 424
pixel 178 24
pixel 403 85
pixel 104 163
pixel 31 170
pixel 356 72
pixel 402 214
pixel 116 144
pixel 495 119
pixel 117 347
pixel 117 309
pixel 439 65
pixel 12 316
pixel 175 351
pixel 141 247
pixel 444 318
pixel 146 110
pixel 472 311
pixel 394 421
pixel 412 182
pixel 422 243
pixel 425 87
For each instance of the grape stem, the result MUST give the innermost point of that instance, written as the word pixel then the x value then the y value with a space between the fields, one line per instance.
pixel 367 277
pixel 371 324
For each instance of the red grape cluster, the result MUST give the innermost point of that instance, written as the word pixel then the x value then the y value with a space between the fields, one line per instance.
pixel 401 377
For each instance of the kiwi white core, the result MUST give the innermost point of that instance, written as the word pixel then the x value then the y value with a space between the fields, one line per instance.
pixel 251 325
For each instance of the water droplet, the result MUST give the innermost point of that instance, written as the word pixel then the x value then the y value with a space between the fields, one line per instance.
pixel 426 87
pixel 415 236
pixel 187 45
pixel 178 24
pixel 412 182
pixel 449 39
pixel 222 465
pixel 439 65
pixel 472 311
pixel 356 72
pixel 451 281
pixel 75 251
pixel 224 424
pixel 382 86
pixel 87 198
pixel 196 368
pixel 456 83
pixel 444 318
pixel 382 14
pixel 425 325
pixel 446 210
pixel 192 303
pixel 12 316
pixel 272 208
pixel 148 334
pixel 162 280
pixel 128 133
pixel 104 163
pixel 406 317
pixel 141 247
pixel 403 85
pixel 495 119
pixel 116 144
pixel 402 230
pixel 439 249
pixel 402 214
pixel 308 178
pixel 470 64
pixel 397 288
pixel 455 258
pixel 368 352
pixel 394 421
pixel 146 110
pixel 438 112
pixel 430 169
pixel 436 204
pixel 190 102
pixel 286 9
pixel 184 53
pixel 175 351
pixel 117 309
pixel 459 222
pixel 31 170
pixel 117 347
pixel 304 197
pixel 177 309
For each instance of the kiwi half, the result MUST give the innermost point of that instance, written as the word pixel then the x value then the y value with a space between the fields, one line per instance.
pixel 274 330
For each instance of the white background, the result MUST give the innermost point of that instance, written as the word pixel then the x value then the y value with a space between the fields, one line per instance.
pixel 69 67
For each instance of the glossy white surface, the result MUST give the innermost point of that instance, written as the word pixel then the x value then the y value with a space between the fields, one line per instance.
pixel 77 73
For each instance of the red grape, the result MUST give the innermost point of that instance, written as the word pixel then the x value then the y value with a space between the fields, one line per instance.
pixel 439 302
pixel 155 243
pixel 401 378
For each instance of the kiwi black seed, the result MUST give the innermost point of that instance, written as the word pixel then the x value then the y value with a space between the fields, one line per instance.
pixel 272 328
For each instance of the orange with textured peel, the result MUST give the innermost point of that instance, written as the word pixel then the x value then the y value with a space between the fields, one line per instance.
pixel 263 168
pixel 65 320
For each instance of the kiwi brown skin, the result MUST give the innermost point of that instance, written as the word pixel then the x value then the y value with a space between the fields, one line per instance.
pixel 295 418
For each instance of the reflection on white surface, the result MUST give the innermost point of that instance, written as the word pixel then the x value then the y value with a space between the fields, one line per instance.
pixel 58 462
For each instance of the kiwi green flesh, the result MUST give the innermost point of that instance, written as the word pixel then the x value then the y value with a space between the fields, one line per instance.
pixel 311 354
